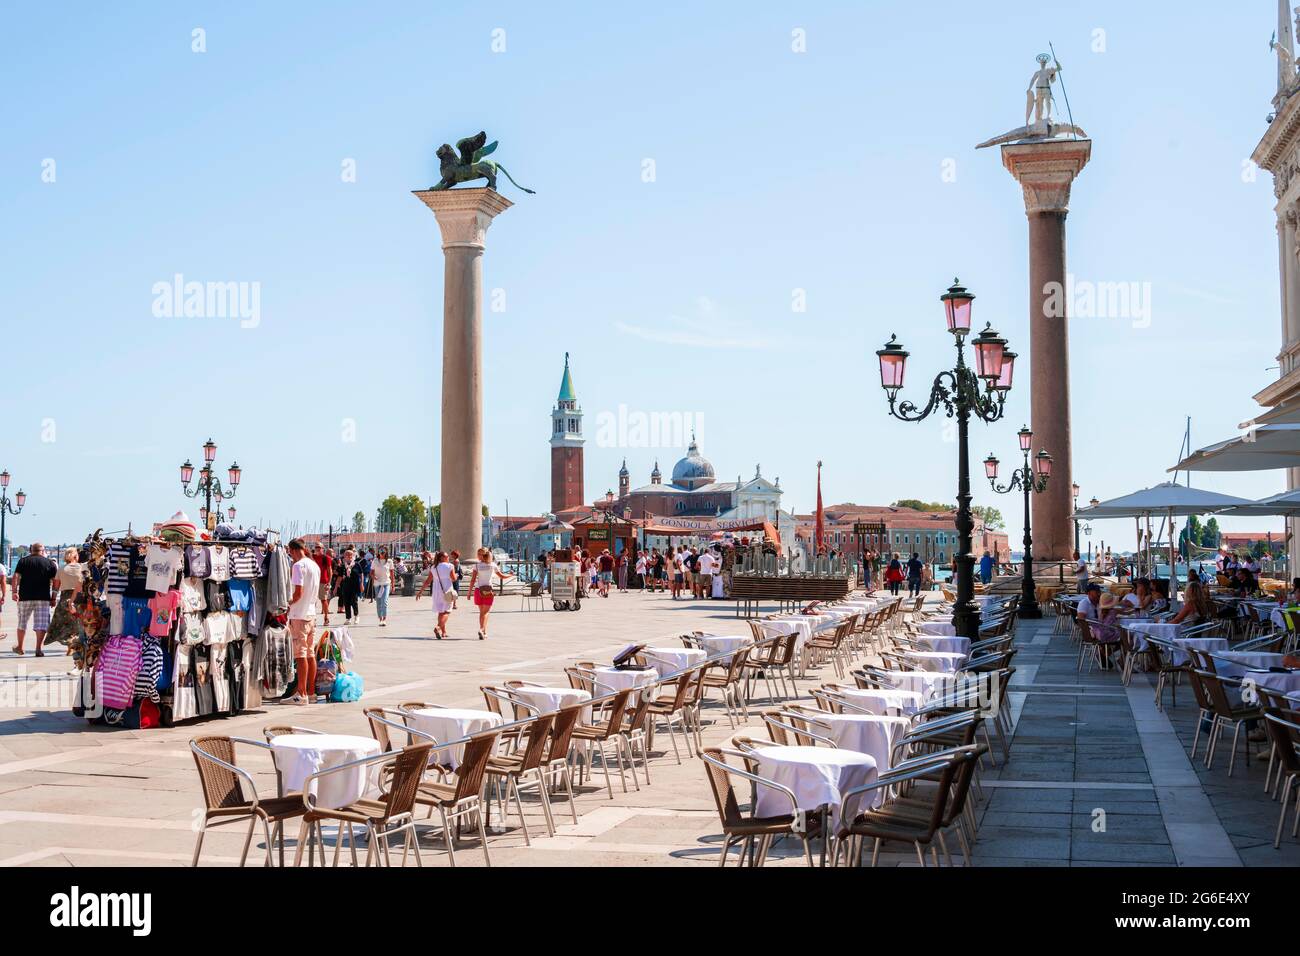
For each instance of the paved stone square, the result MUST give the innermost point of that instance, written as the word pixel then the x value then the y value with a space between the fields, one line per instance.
pixel 72 794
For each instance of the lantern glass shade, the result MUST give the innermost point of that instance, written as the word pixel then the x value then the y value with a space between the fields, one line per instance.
pixel 1008 369
pixel 1074 488
pixel 1043 464
pixel 187 472
pixel 989 348
pixel 957 308
pixel 209 450
pixel 203 515
pixel 4 479
pixel 1094 502
pixel 231 512
pixel 991 467
pixel 235 473
pixel 893 364
pixel 1026 437
pixel 21 498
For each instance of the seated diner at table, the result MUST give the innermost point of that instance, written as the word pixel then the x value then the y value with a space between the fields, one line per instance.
pixel 1197 607
pixel 1087 607
pixel 1141 599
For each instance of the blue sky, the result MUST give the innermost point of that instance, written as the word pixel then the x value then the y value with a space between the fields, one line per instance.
pixel 775 171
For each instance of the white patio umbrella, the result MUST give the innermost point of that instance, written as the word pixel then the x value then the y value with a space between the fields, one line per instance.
pixel 1285 504
pixel 1288 414
pixel 1168 498
pixel 1263 448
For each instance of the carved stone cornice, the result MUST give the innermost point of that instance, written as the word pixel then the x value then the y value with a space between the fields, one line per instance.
pixel 1046 171
pixel 464 214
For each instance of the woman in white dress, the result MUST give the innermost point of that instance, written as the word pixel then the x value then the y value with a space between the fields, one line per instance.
pixel 440 581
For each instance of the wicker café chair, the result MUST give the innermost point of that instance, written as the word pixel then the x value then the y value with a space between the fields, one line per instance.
pixel 391 814
pixel 607 730
pixel 888 823
pixel 1283 728
pixel 1225 714
pixel 525 765
pixel 464 798
pixel 726 678
pixel 755 834
pixel 224 801
pixel 556 768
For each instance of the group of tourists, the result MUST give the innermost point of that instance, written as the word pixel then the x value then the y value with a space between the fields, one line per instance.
pixel 351 577
pixel 442 577
pixel 915 571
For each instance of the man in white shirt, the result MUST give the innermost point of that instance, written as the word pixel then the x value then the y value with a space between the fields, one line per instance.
pixel 706 566
pixel 304 579
pixel 1087 608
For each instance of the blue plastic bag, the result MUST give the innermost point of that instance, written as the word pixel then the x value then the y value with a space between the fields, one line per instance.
pixel 348 687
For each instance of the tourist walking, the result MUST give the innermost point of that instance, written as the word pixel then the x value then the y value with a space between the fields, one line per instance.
pixel 915 567
pixel 304 584
pixel 35 591
pixel 381 577
pixel 986 568
pixel 1080 573
pixel 606 563
pixel 706 565
pixel 325 563
pixel 63 622
pixel 351 585
pixel 894 574
pixel 480 585
pixel 454 560
pixel 441 582
pixel 622 562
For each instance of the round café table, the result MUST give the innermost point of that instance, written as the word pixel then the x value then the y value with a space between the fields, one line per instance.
pixel 298 756
pixel 1281 683
pixel 717 644
pixel 452 723
pixel 881 702
pixel 548 700
pixel 611 680
pixel 937 629
pixel 867 734
pixel 941 661
pixel 818 776
pixel 670 660
pixel 945 645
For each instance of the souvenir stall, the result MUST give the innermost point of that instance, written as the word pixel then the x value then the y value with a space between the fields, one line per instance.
pixel 178 624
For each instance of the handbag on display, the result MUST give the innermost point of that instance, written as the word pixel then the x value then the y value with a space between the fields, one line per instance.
pixel 327 673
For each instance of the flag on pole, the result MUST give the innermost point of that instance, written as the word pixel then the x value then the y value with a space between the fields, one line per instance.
pixel 819 534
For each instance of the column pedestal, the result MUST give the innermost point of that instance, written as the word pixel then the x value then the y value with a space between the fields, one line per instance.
pixel 1045 171
pixel 463 216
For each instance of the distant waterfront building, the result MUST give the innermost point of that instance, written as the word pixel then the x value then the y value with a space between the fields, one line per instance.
pixel 931 534
pixel 566 446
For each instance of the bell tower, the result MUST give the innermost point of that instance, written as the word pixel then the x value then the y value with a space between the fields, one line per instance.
pixel 566 446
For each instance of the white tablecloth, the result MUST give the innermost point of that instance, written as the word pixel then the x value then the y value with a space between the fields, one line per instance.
pixel 800 625
pixel 817 775
pixel 1236 663
pixel 871 735
pixel 550 699
pixel 949 645
pixel 452 723
pixel 610 680
pixel 298 756
pixel 925 683
pixel 935 660
pixel 717 644
pixel 669 660
pixel 881 702
pixel 938 628
pixel 1288 683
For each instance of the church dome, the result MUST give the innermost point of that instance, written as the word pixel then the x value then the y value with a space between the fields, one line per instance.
pixel 693 470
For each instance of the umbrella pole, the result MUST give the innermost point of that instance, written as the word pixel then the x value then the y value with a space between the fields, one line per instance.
pixel 1173 566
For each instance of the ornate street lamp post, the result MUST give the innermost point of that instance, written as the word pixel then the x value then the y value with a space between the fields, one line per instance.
pixel 958 391
pixel 7 507
pixel 1028 480
pixel 1074 491
pixel 209 485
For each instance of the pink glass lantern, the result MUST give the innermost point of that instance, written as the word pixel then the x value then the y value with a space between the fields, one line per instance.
pixel 957 308
pixel 209 451
pixel 187 472
pixel 21 498
pixel 991 467
pixel 4 479
pixel 893 364
pixel 1043 465
pixel 1008 369
pixel 1026 438
pixel 989 349
pixel 235 473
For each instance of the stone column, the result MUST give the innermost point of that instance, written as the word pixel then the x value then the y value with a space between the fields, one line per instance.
pixel 1045 171
pixel 1291 282
pixel 463 216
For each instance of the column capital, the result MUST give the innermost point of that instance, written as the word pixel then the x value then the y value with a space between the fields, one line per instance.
pixel 464 214
pixel 1046 170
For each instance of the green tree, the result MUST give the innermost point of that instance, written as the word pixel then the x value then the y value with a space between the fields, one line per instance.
pixel 1210 534
pixel 1192 531
pixel 404 513
pixel 919 505
pixel 991 517
pixel 359 522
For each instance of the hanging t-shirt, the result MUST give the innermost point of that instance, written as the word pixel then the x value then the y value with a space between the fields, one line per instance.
pixel 198 558
pixel 191 629
pixel 119 567
pixel 218 628
pixel 162 609
pixel 220 558
pixel 244 563
pixel 137 578
pixel 241 594
pixel 192 595
pixel 164 565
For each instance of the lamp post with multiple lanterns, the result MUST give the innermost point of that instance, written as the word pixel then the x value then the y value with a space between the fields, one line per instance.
pixel 209 485
pixel 1029 480
pixel 957 391
pixel 7 507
